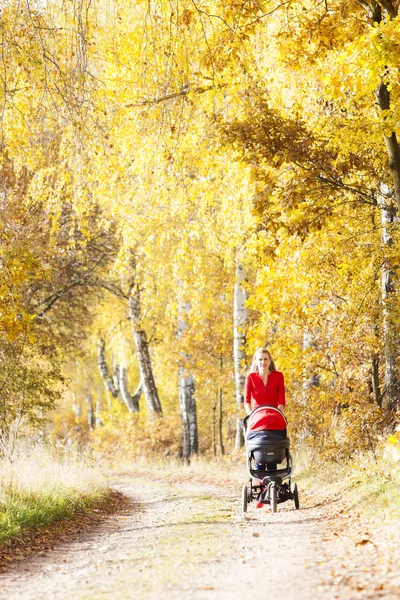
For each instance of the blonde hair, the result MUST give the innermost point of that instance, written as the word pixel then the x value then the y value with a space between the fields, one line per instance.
pixel 254 367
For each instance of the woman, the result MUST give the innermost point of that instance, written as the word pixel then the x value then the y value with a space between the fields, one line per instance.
pixel 264 384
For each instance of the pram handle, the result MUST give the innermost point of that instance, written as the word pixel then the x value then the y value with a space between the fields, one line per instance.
pixel 246 418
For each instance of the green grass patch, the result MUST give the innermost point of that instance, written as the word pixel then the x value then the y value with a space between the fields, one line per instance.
pixel 37 488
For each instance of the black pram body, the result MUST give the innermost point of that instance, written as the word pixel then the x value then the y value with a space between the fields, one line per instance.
pixel 266 437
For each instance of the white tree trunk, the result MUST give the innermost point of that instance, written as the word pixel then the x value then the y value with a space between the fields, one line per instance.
pixel 392 383
pixel 142 349
pixel 90 411
pixel 107 379
pixel 193 430
pixel 76 406
pixel 99 407
pixel 220 415
pixel 116 374
pixel 187 400
pixel 187 404
pixel 132 402
pixel 239 339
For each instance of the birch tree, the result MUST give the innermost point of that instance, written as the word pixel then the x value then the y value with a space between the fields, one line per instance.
pixel 239 339
pixel 187 400
pixel 142 347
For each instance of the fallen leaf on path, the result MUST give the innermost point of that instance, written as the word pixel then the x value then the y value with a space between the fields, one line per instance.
pixel 363 542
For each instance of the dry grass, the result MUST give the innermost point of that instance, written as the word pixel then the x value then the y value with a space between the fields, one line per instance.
pixel 368 483
pixel 201 469
pixel 38 486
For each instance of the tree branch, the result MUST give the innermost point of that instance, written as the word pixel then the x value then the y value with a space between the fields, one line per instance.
pixel 186 89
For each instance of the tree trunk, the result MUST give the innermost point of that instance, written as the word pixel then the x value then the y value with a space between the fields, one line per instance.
pixel 142 348
pixel 187 404
pixel 116 374
pixel 213 428
pixel 99 408
pixel 76 406
pixel 388 211
pixel 132 402
pixel 220 412
pixel 90 411
pixel 391 142
pixel 239 339
pixel 107 379
pixel 392 383
pixel 187 399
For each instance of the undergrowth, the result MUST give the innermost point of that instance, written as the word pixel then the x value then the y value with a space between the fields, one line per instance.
pixel 369 482
pixel 38 487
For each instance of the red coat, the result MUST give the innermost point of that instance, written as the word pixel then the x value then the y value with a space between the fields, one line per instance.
pixel 257 394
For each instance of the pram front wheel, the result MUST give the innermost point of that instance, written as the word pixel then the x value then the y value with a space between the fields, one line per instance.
pixel 244 498
pixel 295 495
pixel 273 497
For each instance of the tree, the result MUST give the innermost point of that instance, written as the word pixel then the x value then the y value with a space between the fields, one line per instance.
pixel 239 337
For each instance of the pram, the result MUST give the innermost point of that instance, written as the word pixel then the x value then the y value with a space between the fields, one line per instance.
pixel 267 447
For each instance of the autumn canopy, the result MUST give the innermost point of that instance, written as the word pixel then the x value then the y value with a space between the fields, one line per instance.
pixel 181 183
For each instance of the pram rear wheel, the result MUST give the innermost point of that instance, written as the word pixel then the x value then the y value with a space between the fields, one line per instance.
pixel 244 498
pixel 295 495
pixel 273 497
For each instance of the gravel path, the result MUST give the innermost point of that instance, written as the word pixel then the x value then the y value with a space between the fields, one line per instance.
pixel 180 541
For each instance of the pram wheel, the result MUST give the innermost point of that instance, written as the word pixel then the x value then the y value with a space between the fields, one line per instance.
pixel 244 498
pixel 295 495
pixel 273 497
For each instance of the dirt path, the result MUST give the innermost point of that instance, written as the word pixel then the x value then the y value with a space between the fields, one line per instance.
pixel 182 541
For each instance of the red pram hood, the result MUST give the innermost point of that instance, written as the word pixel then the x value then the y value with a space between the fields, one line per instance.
pixel 265 418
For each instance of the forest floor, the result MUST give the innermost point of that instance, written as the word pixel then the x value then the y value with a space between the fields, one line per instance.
pixel 186 537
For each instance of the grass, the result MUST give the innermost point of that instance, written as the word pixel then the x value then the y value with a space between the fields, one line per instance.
pixel 228 470
pixel 368 483
pixel 38 487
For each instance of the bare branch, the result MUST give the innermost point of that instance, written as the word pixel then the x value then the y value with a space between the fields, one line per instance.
pixel 183 92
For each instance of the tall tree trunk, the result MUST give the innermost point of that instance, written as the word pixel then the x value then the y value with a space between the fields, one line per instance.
pixel 376 12
pixel 220 414
pixel 116 374
pixel 76 406
pixel 214 426
pixel 391 142
pixel 99 408
pixel 392 382
pixel 187 399
pixel 42 429
pixel 239 339
pixel 193 429
pixel 187 404
pixel 90 411
pixel 132 402
pixel 107 379
pixel 142 349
